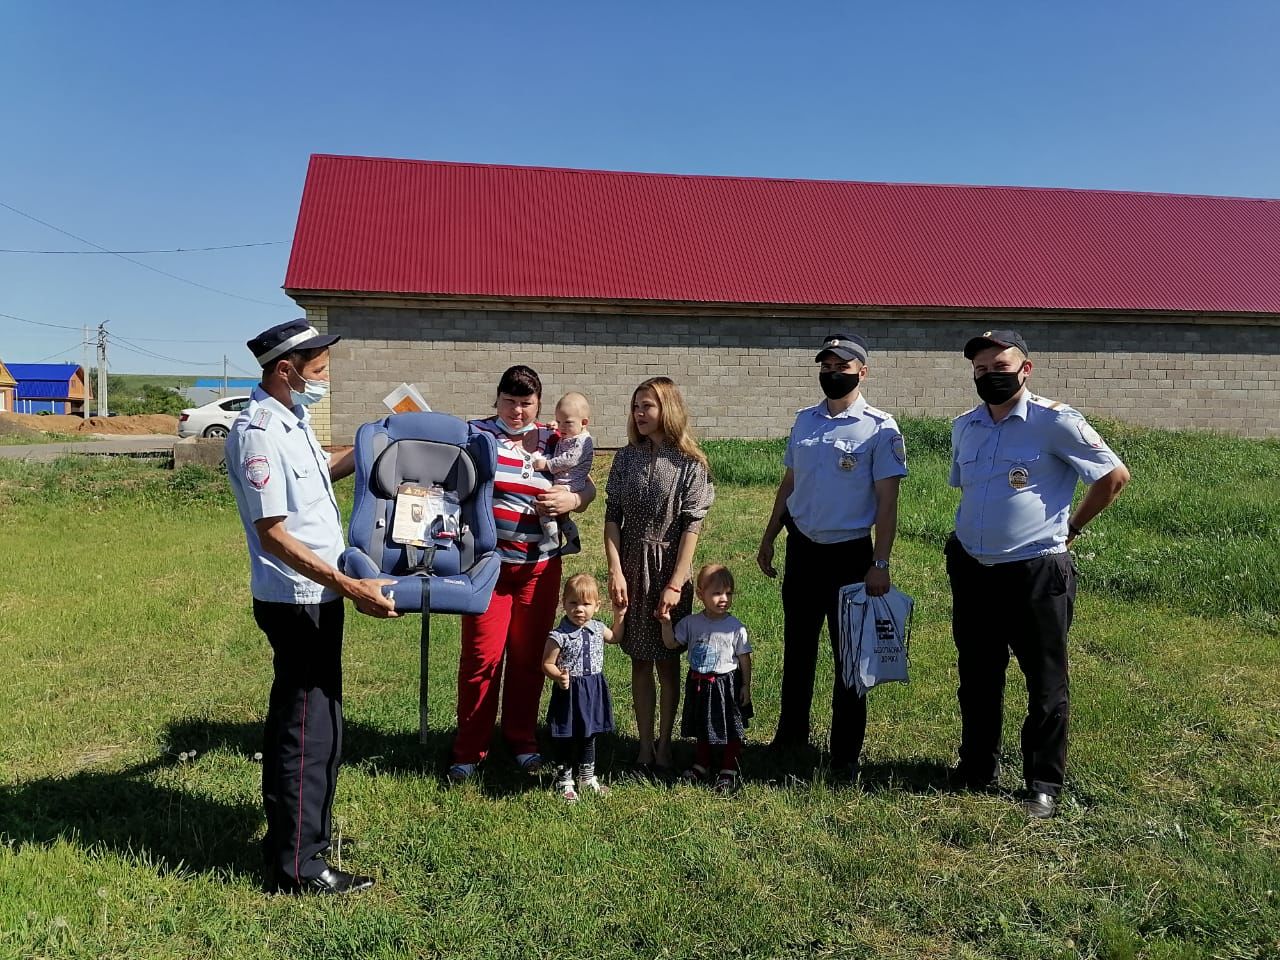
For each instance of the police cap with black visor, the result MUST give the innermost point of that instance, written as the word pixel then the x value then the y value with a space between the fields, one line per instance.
pixel 284 338
pixel 997 386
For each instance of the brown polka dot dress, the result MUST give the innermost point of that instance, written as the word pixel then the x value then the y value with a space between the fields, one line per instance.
pixel 654 496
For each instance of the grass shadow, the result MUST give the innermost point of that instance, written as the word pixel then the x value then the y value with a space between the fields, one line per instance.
pixel 375 751
pixel 914 775
pixel 147 812
pixel 130 813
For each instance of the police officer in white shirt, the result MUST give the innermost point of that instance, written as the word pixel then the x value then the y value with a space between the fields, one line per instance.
pixel 844 462
pixel 1015 458
pixel 283 485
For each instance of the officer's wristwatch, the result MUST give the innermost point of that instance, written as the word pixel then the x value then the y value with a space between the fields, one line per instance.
pixel 880 564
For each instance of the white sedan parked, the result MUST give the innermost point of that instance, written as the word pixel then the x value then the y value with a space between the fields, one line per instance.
pixel 213 420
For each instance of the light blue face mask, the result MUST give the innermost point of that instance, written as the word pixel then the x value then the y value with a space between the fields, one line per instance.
pixel 516 431
pixel 314 392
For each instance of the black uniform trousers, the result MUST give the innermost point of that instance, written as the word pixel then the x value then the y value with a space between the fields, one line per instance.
pixel 1024 606
pixel 811 582
pixel 302 739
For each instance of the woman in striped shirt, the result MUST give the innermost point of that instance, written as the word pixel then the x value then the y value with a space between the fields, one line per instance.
pixel 502 647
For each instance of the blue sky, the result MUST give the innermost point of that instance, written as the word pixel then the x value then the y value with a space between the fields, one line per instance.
pixel 158 125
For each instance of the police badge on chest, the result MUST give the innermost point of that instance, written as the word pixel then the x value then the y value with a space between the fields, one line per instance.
pixel 845 460
pixel 1019 476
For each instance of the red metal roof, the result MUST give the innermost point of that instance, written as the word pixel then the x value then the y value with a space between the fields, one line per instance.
pixel 426 227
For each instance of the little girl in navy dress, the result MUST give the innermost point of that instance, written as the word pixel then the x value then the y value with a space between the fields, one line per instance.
pixel 580 705
pixel 717 696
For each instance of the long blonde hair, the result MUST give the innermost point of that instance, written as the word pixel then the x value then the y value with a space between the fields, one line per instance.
pixel 673 419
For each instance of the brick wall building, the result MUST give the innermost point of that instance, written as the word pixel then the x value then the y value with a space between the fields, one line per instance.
pixel 439 275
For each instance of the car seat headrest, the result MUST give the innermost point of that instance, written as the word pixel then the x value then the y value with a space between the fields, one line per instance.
pixel 423 462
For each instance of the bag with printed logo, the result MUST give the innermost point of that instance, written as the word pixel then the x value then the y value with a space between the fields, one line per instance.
pixel 875 633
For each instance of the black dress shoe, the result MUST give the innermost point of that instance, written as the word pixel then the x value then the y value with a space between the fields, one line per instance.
pixel 330 880
pixel 1039 806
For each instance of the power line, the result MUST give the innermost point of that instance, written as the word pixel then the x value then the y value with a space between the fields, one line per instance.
pixel 63 326
pixel 128 345
pixel 138 263
pixel 58 326
pixel 97 253
pixel 155 356
pixel 131 345
pixel 60 352
pixel 247 373
pixel 168 340
pixel 37 323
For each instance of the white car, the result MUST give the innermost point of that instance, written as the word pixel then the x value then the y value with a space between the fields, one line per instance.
pixel 213 420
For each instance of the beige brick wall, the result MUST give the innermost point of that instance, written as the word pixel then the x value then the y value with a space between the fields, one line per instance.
pixel 322 412
pixel 746 376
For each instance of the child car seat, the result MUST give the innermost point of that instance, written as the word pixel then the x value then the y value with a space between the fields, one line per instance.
pixel 454 568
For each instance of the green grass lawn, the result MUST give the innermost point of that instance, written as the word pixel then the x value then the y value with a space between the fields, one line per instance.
pixel 128 642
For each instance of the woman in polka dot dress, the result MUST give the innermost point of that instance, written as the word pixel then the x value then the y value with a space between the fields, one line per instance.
pixel 659 491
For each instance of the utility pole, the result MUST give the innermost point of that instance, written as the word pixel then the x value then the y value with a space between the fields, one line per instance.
pixel 224 376
pixel 103 410
pixel 84 360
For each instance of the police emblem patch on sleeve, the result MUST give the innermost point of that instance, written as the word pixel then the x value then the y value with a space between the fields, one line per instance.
pixel 1089 435
pixel 257 471
pixel 900 449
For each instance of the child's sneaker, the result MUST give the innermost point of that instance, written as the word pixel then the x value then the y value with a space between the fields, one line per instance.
pixel 530 763
pixel 695 774
pixel 726 783
pixel 461 772
pixel 566 790
pixel 594 785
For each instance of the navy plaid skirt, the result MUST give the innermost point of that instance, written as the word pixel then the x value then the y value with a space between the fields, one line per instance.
pixel 711 710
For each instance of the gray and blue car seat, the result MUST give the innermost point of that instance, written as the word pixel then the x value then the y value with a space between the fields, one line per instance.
pixel 455 571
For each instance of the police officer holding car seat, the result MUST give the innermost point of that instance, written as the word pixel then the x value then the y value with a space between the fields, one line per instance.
pixel 283 485
pixel 844 462
pixel 1015 458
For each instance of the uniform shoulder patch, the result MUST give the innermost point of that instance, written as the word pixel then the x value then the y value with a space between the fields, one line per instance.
pixel 1047 403
pixel 1088 434
pixel 257 470
pixel 899 448
pixel 260 419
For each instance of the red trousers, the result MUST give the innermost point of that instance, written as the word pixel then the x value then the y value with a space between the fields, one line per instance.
pixel 502 647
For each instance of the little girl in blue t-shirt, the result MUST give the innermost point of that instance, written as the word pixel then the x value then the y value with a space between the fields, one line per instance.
pixel 717 696
pixel 580 705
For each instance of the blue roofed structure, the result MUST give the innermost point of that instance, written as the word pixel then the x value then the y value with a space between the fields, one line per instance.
pixel 49 388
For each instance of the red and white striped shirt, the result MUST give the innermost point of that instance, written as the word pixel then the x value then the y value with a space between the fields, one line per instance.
pixel 516 487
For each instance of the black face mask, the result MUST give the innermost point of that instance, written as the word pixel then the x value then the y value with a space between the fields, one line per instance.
pixel 837 385
pixel 996 387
